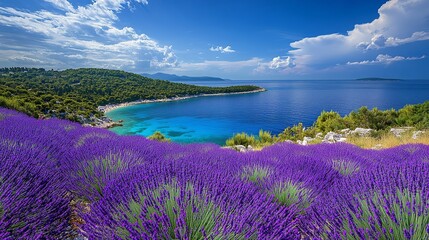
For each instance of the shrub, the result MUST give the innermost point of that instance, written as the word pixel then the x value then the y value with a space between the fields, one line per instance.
pixel 241 139
pixel 296 132
pixel 330 121
pixel 265 138
pixel 158 136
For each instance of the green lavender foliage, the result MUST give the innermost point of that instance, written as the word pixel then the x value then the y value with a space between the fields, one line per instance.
pixel 255 174
pixel 290 193
pixel 406 213
pixel 202 220
pixel 345 167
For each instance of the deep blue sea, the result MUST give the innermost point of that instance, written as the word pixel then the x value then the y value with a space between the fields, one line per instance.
pixel 285 103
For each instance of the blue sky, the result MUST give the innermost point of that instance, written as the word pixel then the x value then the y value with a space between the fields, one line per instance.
pixel 252 39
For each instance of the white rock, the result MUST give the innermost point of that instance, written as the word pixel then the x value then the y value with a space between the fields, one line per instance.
pixel 240 148
pixel 416 134
pixel 342 139
pixel 399 131
pixel 319 135
pixel 250 148
pixel 332 137
pixel 345 131
pixel 362 131
pixel 308 139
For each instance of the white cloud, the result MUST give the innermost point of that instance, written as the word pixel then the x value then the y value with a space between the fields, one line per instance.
pixel 399 22
pixel 281 63
pixel 417 36
pixel 26 59
pixel 227 49
pixel 88 32
pixel 219 65
pixel 277 64
pixel 61 4
pixel 385 59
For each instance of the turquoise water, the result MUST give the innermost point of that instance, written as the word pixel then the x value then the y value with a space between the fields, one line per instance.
pixel 214 119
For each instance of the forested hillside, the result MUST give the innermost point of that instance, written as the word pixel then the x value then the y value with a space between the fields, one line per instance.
pixel 74 94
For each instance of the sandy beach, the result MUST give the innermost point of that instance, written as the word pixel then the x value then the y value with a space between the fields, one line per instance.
pixel 110 107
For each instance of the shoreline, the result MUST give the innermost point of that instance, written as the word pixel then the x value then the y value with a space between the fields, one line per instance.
pixel 110 107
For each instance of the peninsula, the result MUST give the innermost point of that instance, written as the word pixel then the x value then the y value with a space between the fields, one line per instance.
pixel 77 94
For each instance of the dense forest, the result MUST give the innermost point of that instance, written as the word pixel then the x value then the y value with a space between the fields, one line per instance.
pixel 75 94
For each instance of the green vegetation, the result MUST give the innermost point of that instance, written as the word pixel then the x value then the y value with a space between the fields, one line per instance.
pixel 97 171
pixel 407 207
pixel 75 94
pixel 241 139
pixel 290 193
pixel 380 121
pixel 344 167
pixel 158 136
pixel 255 174
pixel 201 215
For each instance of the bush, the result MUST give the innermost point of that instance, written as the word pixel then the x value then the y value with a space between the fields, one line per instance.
pixel 158 136
pixel 241 139
pixel 330 121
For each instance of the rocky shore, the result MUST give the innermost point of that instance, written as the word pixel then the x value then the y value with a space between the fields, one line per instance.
pixel 105 122
pixel 342 136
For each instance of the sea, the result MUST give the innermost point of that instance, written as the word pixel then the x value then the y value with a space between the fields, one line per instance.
pixel 285 103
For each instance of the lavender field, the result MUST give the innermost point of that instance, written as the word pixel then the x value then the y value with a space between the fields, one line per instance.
pixel 59 180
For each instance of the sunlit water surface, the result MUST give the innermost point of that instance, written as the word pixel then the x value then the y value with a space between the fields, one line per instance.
pixel 214 119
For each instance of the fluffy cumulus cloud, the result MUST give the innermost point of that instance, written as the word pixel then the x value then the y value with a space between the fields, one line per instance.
pixel 227 49
pixel 400 22
pixel 78 36
pixel 281 63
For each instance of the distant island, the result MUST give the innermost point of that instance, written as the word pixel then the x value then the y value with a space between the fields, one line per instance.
pixel 83 95
pixel 378 79
pixel 176 78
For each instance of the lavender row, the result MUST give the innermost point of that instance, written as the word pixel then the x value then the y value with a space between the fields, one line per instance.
pixel 133 188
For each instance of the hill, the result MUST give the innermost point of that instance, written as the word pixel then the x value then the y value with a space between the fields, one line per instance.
pixel 176 78
pixel 75 94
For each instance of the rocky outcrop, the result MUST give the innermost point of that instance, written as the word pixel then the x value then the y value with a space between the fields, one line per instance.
pixel 332 137
pixel 305 141
pixel 241 148
pixel 399 131
pixel 363 132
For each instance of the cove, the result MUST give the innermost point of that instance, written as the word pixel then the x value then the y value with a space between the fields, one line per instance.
pixel 285 103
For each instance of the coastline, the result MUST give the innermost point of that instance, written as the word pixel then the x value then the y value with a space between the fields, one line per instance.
pixel 110 107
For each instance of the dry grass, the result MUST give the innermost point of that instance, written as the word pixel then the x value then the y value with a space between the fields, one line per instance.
pixel 388 140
